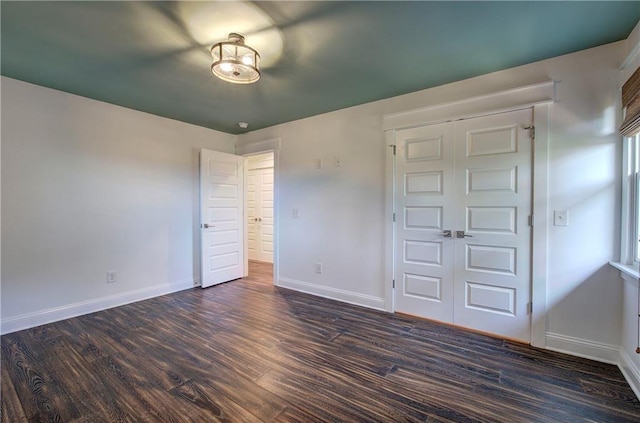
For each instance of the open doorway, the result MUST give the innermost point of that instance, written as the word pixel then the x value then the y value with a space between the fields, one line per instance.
pixel 260 214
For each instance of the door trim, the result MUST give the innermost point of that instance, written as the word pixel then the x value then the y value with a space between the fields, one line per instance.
pixel 522 97
pixel 538 96
pixel 265 146
pixel 540 230
pixel 389 227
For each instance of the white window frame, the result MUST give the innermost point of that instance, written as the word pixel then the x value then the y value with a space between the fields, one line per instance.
pixel 636 206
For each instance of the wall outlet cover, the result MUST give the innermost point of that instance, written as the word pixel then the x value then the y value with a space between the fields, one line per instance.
pixel 561 217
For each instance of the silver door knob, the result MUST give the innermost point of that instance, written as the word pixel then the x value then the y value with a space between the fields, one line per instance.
pixel 207 226
pixel 446 233
pixel 461 234
pixel 259 219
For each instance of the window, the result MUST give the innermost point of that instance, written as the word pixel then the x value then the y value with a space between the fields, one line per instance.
pixel 631 202
pixel 630 129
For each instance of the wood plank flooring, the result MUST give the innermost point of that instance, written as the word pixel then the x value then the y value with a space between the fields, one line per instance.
pixel 246 351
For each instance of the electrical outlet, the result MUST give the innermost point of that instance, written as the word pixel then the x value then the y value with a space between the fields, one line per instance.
pixel 111 277
pixel 319 268
pixel 296 213
pixel 337 162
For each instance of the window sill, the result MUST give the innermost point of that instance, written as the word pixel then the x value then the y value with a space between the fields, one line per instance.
pixel 626 271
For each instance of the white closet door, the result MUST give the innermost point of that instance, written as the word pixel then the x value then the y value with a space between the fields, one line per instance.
pixel 493 204
pixel 473 178
pixel 260 209
pixel 265 223
pixel 424 210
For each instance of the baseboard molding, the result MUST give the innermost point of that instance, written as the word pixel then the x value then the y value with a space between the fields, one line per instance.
pixel 583 348
pixel 333 293
pixel 630 371
pixel 30 320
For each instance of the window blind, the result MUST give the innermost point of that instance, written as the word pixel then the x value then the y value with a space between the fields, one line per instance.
pixel 631 105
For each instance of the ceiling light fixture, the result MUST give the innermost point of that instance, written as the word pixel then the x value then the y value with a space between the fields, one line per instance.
pixel 235 62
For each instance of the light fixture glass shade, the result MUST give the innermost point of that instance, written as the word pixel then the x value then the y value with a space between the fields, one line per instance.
pixel 235 62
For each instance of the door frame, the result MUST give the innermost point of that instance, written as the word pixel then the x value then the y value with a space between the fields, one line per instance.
pixel 251 149
pixel 537 96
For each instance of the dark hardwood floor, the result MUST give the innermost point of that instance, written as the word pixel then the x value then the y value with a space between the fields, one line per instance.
pixel 246 351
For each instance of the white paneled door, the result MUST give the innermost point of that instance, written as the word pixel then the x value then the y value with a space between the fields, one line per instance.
pixel 424 209
pixel 260 214
pixel 463 240
pixel 222 217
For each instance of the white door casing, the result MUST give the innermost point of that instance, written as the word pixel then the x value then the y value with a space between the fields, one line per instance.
pixel 471 175
pixel 222 217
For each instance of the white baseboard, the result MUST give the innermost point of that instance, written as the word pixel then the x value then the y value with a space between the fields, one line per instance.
pixel 333 293
pixel 583 348
pixel 30 320
pixel 630 371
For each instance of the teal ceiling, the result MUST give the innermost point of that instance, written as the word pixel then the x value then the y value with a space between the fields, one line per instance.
pixel 154 56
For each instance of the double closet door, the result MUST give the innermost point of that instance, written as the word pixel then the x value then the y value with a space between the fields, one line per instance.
pixel 463 236
pixel 260 209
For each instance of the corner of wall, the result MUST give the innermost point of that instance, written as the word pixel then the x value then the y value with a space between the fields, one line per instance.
pixel 333 293
pixel 630 372
pixel 632 60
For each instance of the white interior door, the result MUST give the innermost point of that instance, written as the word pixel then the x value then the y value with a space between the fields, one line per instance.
pixel 222 216
pixel 260 195
pixel 473 178
pixel 493 204
pixel 424 210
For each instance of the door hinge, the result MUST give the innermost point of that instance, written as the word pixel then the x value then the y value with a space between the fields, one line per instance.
pixel 394 284
pixel 529 308
pixel 393 148
pixel 532 131
pixel 394 217
pixel 530 220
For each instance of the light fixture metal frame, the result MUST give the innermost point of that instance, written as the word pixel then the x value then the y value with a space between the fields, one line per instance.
pixel 236 41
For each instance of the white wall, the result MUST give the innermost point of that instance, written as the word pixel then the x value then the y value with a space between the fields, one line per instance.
pixel 89 187
pixel 340 208
pixel 341 220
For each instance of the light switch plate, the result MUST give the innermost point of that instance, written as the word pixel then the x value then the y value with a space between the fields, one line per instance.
pixel 561 217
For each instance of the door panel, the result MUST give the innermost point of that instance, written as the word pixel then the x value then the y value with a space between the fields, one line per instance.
pixel 222 215
pixel 266 215
pixel 424 175
pixel 252 222
pixel 472 176
pixel 493 203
